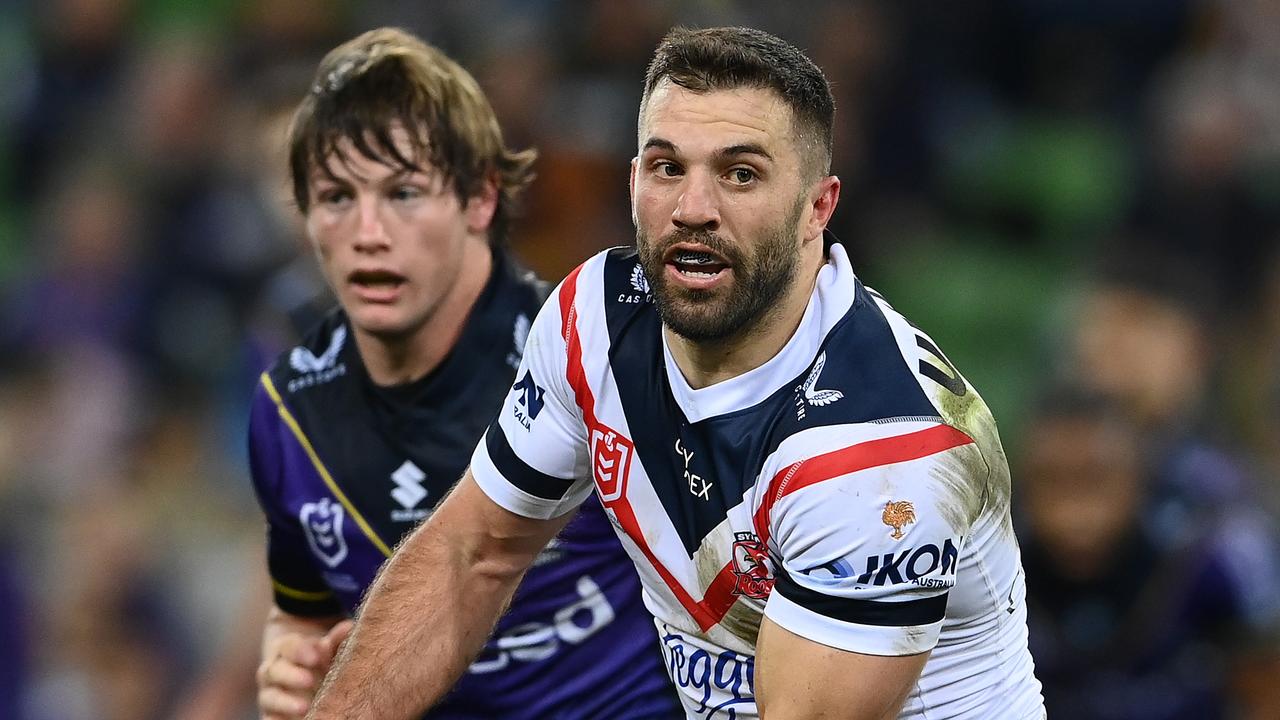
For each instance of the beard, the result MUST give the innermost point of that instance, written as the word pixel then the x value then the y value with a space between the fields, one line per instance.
pixel 759 280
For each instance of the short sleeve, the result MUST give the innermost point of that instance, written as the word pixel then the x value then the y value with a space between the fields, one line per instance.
pixel 868 533
pixel 532 459
pixel 297 585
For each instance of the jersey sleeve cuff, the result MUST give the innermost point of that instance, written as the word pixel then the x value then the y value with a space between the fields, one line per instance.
pixel 868 639
pixel 512 498
pixel 305 603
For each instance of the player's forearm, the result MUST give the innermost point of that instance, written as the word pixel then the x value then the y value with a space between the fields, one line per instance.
pixel 425 618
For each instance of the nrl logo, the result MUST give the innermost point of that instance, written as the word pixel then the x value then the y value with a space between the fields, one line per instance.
pixel 322 523
pixel 896 514
pixel 610 463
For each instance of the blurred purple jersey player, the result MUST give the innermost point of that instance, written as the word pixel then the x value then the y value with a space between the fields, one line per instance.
pixel 400 170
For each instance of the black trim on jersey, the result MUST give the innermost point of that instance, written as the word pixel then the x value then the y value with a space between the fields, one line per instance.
pixel 882 613
pixel 727 451
pixel 952 382
pixel 518 473
pixel 307 608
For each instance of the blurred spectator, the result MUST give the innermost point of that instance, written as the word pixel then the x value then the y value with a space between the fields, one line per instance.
pixel 1128 622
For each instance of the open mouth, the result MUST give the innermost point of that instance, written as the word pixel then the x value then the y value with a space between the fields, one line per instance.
pixel 696 262
pixel 376 283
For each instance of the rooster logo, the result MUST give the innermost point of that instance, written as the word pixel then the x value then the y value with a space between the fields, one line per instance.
pixel 813 395
pixel 896 514
pixel 304 361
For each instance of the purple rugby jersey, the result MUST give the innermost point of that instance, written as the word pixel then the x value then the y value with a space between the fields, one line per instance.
pixel 344 469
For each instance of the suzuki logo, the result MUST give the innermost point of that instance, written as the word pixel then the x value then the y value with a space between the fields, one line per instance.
pixel 408 491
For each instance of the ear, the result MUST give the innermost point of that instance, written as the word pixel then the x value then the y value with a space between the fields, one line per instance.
pixel 631 189
pixel 481 207
pixel 823 199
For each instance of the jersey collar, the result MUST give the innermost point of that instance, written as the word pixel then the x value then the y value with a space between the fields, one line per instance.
pixel 832 298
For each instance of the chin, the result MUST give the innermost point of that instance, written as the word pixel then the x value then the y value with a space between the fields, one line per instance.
pixel 380 323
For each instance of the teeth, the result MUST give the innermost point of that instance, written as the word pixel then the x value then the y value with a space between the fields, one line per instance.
pixel 690 257
pixel 697 274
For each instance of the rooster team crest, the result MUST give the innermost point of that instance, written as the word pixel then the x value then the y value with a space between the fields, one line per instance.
pixel 638 280
pixel 751 566
pixel 322 523
pixel 896 514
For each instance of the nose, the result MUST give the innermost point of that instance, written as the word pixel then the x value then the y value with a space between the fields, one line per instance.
pixel 697 207
pixel 371 235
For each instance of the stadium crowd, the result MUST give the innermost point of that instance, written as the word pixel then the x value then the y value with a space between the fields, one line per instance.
pixel 1080 200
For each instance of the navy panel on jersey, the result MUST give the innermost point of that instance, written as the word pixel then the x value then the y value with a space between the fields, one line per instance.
pixel 715 462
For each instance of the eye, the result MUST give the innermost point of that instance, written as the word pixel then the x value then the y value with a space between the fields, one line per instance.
pixel 667 169
pixel 333 197
pixel 741 175
pixel 406 192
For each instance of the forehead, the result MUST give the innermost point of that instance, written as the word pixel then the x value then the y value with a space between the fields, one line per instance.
pixel 708 121
pixel 348 158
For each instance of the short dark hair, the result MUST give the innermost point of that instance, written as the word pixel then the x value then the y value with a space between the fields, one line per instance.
pixel 367 86
pixel 725 58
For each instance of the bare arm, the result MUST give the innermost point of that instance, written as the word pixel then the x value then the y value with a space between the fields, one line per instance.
pixel 799 678
pixel 432 607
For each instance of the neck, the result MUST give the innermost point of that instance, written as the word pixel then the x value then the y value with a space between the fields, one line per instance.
pixel 705 363
pixel 399 359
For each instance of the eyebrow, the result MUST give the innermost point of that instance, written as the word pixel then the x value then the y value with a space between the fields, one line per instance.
pixel 731 151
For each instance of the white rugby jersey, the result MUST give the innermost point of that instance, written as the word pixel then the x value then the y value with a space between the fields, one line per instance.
pixel 852 488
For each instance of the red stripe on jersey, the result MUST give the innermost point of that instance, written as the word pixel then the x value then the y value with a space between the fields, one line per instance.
pixel 569 330
pixel 864 455
pixel 719 598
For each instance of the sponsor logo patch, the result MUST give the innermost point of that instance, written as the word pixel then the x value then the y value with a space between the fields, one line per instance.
pixel 535 641
pixel 809 395
pixel 699 486
pixel 640 284
pixel 716 685
pixel 313 370
pixel 913 565
pixel 529 399
pixel 408 492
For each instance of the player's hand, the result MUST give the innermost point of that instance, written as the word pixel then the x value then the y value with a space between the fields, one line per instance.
pixel 292 669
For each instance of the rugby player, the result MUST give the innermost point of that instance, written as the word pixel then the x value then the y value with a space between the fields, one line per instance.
pixel 399 168
pixel 816 499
